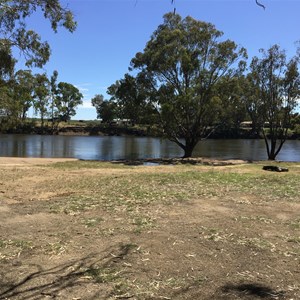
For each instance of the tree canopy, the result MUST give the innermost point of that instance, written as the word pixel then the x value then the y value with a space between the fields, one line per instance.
pixel 15 34
pixel 181 66
pixel 67 99
pixel 276 85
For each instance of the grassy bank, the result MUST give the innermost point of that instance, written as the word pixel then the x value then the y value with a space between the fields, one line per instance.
pixel 91 230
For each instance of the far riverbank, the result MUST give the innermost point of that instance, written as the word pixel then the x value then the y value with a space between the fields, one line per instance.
pixel 93 128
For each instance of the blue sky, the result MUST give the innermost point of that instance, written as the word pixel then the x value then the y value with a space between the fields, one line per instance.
pixel 110 32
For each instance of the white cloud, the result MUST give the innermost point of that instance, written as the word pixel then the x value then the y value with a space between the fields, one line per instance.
pixel 86 103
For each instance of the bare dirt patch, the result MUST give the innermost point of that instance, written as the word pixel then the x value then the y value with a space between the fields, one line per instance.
pixel 92 230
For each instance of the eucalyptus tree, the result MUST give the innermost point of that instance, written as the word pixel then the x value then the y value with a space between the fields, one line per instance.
pixel 6 75
pixel 24 83
pixel 97 101
pixel 7 62
pixel 131 96
pixel 278 81
pixel 16 98
pixel 9 117
pixel 232 107
pixel 67 99
pixel 184 61
pixel 53 100
pixel 15 34
pixel 41 97
pixel 106 109
pixel 253 104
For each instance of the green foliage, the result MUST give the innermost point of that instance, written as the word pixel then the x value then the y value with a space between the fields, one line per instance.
pixel 41 96
pixel 14 32
pixel 7 61
pixel 23 91
pixel 181 66
pixel 232 110
pixel 131 96
pixel 276 86
pixel 68 98
pixel 106 109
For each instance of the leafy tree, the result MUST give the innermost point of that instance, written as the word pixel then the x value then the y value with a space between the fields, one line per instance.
pixel 97 102
pixel 53 99
pixel 7 62
pixel 6 96
pixel 295 123
pixel 106 110
pixel 14 32
pixel 67 100
pixel 23 91
pixel 9 117
pixel 232 108
pixel 278 83
pixel 131 95
pixel 41 96
pixel 253 104
pixel 184 61
pixel 16 98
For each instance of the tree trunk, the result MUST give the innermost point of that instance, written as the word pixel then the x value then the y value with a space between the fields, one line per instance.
pixel 187 152
pixel 189 147
pixel 271 149
pixel 272 155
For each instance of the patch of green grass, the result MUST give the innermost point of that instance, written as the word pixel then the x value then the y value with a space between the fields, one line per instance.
pixel 261 219
pixel 91 222
pixel 143 223
pixel 294 224
pixel 21 244
pixel 131 191
pixel 102 275
pixel 55 248
pixel 74 205
pixel 256 242
pixel 13 248
pixel 88 164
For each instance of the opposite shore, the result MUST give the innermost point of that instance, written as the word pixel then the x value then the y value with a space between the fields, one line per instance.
pixel 85 128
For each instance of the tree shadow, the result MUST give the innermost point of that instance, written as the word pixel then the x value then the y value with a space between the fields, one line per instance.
pixel 238 291
pixel 44 283
pixel 253 290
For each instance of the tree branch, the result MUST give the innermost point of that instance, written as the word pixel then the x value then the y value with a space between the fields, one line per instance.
pixel 259 4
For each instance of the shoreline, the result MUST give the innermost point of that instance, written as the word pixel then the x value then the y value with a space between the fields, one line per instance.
pixel 23 161
pixel 13 161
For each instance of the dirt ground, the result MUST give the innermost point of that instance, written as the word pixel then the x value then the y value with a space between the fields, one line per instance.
pixel 113 231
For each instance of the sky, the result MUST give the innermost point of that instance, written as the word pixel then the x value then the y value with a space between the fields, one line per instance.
pixel 111 32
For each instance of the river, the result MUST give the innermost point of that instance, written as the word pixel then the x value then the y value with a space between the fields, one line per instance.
pixel 115 147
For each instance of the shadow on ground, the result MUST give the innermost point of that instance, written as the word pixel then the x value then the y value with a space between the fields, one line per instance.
pixel 253 291
pixel 37 282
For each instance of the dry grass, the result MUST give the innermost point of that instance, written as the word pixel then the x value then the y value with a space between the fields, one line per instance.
pixel 91 230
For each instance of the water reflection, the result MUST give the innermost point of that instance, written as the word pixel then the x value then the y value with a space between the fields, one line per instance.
pixel 113 148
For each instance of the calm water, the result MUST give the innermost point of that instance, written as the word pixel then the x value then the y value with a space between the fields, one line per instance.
pixel 112 148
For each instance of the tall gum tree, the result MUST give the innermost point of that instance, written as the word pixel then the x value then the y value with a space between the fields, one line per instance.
pixel 184 60
pixel 278 81
pixel 41 97
pixel 67 100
